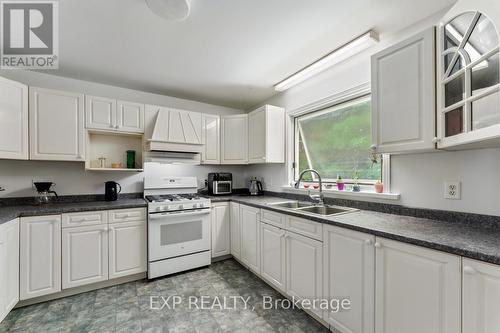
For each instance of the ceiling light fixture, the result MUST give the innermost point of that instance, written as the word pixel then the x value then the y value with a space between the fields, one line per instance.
pixel 174 10
pixel 342 53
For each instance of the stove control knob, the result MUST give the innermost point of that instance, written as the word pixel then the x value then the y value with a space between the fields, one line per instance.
pixel 158 208
pixel 201 205
pixel 180 207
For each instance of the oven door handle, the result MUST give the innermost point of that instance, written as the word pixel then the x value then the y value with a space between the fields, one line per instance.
pixel 189 213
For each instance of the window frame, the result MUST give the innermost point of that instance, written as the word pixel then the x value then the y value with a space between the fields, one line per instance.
pixel 345 97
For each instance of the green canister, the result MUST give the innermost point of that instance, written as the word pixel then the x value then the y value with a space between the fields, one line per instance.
pixel 130 159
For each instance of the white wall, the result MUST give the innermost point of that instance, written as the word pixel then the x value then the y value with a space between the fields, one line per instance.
pixel 418 178
pixel 71 177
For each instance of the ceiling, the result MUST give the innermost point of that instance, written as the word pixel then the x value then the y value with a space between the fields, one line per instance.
pixel 228 52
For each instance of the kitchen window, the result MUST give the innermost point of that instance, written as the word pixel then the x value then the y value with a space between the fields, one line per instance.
pixel 336 141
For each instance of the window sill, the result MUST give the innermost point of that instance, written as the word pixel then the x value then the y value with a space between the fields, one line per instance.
pixel 334 193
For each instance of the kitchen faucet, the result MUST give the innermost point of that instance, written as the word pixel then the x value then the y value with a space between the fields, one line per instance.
pixel 315 197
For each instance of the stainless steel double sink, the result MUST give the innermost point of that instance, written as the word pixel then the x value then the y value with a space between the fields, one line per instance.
pixel 309 208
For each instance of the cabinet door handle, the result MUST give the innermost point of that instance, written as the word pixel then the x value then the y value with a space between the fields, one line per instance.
pixel 377 245
pixel 469 270
pixel 368 242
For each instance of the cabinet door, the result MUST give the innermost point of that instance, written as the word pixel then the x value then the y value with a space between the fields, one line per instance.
pixel 84 255
pixel 250 237
pixel 9 266
pixel 40 256
pixel 56 125
pixel 235 230
pixel 257 136
pixel 272 255
pixel 14 124
pixel 127 248
pixel 221 233
pixel 234 138
pixel 211 139
pixel 417 289
pixel 403 96
pixel 349 271
pixel 130 117
pixel 100 112
pixel 481 297
pixel 304 268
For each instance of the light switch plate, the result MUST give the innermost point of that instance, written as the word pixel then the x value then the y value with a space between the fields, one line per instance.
pixel 452 190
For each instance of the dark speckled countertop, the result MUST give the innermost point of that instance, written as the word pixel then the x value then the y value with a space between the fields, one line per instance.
pixel 10 212
pixel 464 239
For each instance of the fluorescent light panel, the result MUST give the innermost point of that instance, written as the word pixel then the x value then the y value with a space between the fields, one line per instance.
pixel 342 53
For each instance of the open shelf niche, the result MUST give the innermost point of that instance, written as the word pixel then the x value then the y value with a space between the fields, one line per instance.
pixel 113 146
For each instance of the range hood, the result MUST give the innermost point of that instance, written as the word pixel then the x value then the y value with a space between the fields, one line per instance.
pixel 176 131
pixel 172 157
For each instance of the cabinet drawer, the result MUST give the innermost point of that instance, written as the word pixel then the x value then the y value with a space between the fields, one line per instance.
pixel 84 218
pixel 304 227
pixel 272 218
pixel 126 215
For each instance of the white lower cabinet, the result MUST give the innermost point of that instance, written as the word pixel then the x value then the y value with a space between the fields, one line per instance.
pixel 221 234
pixel 272 259
pixel 84 255
pixel 481 297
pixel 127 248
pixel 40 256
pixel 304 268
pixel 235 229
pixel 250 237
pixel 417 289
pixel 349 271
pixel 9 266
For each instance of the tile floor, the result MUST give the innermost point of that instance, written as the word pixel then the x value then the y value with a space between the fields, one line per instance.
pixel 126 308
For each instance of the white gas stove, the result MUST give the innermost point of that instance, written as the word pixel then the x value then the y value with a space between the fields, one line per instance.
pixel 179 224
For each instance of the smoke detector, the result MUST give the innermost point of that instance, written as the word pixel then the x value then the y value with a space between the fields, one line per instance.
pixel 173 10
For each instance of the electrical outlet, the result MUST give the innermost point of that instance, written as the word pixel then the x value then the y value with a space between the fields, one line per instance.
pixel 452 190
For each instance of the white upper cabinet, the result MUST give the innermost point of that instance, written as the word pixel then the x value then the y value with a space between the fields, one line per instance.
pixel 14 115
pixel 56 125
pixel 481 295
pixel 349 269
pixel 130 117
pixel 469 76
pixel 175 130
pixel 211 139
pixel 100 112
pixel 403 96
pixel 266 135
pixel 234 139
pixel 108 114
pixel 417 289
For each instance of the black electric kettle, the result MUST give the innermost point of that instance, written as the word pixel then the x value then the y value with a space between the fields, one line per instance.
pixel 111 190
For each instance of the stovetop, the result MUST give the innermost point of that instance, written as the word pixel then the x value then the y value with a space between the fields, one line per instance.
pixel 174 197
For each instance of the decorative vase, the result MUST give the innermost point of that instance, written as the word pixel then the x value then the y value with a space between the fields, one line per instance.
pixel 340 186
pixel 379 187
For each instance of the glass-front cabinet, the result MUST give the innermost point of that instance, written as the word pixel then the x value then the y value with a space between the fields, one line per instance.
pixel 468 110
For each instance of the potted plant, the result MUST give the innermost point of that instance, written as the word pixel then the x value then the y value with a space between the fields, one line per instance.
pixel 340 183
pixel 355 186
pixel 379 186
